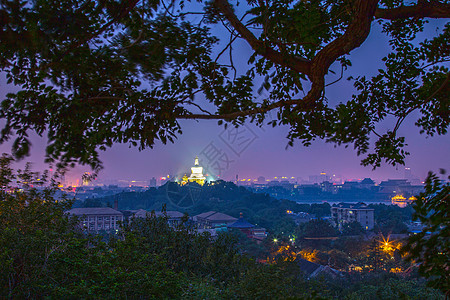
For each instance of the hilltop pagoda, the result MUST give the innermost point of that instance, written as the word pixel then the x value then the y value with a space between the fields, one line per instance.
pixel 197 173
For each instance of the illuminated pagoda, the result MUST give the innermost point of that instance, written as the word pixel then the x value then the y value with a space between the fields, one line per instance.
pixel 184 180
pixel 197 173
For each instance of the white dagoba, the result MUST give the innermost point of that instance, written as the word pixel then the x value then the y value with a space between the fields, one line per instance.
pixel 197 173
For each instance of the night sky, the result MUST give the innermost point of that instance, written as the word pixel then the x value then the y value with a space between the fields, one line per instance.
pixel 254 151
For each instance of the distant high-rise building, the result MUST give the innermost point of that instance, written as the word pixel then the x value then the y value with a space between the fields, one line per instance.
pixel 152 182
pixel 414 180
pixel 408 174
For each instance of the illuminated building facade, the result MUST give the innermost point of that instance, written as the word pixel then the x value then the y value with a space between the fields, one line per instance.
pixel 349 212
pixel 401 201
pixel 184 180
pixel 197 173
pixel 94 219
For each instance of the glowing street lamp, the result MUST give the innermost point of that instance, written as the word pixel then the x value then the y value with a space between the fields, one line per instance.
pixel 386 245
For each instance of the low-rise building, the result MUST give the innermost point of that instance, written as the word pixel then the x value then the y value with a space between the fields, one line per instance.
pixel 252 231
pixel 343 213
pixel 300 217
pixel 174 218
pixel 94 219
pixel 312 270
pixel 212 219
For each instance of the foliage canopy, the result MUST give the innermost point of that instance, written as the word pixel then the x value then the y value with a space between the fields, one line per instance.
pixel 94 73
pixel 430 248
pixel 45 254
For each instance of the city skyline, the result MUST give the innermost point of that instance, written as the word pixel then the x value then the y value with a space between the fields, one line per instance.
pixel 262 158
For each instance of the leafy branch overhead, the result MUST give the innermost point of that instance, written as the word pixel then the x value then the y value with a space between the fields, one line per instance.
pixel 93 73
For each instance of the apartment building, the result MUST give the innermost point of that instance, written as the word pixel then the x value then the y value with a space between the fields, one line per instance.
pixel 94 219
pixel 349 212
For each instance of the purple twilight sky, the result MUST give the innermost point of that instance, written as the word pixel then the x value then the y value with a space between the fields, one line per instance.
pixel 251 151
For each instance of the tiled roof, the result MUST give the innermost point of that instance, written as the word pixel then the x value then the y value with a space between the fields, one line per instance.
pixel 367 181
pixel 241 223
pixel 220 217
pixel 215 216
pixel 93 211
pixel 205 215
pixel 312 269
pixel 141 213
pixel 307 266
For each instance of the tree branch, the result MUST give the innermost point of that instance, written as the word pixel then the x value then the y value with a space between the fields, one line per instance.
pixel 298 64
pixel 423 9
pixel 199 107
pixel 301 105
pixel 355 34
pixel 130 4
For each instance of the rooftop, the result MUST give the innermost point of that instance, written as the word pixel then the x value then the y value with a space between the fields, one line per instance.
pixel 241 223
pixel 205 214
pixel 93 211
pixel 215 216
pixel 367 181
pixel 307 266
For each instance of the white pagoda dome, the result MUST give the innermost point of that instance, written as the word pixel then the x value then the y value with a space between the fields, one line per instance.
pixel 197 173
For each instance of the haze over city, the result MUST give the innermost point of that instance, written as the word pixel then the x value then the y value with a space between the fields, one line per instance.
pixel 265 156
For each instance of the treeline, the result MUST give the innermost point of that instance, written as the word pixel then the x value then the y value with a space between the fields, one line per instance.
pixel 315 193
pixel 43 254
pixel 259 209
pixel 225 197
